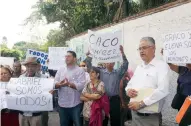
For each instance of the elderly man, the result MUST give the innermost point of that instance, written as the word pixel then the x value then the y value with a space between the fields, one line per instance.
pixel 111 79
pixel 31 118
pixel 16 69
pixel 70 81
pixel 154 74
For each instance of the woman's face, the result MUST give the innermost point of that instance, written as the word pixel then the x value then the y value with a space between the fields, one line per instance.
pixel 5 75
pixel 93 75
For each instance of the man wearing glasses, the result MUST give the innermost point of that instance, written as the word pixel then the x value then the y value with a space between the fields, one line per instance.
pixel 154 74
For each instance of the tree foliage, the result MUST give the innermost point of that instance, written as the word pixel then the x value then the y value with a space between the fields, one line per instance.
pixel 24 46
pixel 6 52
pixel 76 16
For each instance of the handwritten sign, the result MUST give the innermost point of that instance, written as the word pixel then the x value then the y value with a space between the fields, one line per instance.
pixel 30 94
pixel 3 99
pixel 80 53
pixel 3 85
pixel 7 61
pixel 42 57
pixel 57 57
pixel 105 47
pixel 177 47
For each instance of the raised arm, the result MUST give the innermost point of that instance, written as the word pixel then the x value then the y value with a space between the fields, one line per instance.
pixel 173 67
pixel 123 69
pixel 88 61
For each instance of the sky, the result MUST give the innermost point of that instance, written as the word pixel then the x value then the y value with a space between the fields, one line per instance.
pixel 13 13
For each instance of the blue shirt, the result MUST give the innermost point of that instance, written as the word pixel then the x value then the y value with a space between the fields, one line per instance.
pixel 184 80
pixel 112 79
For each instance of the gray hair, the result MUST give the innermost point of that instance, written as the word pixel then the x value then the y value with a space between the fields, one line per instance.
pixel 149 39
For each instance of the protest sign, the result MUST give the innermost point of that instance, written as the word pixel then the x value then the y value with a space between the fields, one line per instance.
pixel 57 57
pixel 105 47
pixel 7 61
pixel 80 52
pixel 3 85
pixel 3 99
pixel 177 47
pixel 42 57
pixel 30 94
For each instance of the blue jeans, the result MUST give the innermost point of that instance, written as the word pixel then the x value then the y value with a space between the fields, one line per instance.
pixel 70 114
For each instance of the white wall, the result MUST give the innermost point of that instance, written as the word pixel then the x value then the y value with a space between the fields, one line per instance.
pixel 172 20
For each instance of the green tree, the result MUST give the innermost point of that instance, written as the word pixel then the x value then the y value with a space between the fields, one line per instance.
pixel 6 52
pixel 76 16
pixel 24 46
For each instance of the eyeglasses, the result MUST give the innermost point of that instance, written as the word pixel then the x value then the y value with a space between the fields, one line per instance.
pixel 82 65
pixel 143 48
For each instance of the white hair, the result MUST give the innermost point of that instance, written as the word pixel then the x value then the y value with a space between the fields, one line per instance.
pixel 149 39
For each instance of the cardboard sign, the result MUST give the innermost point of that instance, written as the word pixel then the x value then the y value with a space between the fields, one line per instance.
pixel 42 57
pixel 80 53
pixel 7 61
pixel 105 47
pixel 57 57
pixel 3 98
pixel 30 94
pixel 3 85
pixel 177 47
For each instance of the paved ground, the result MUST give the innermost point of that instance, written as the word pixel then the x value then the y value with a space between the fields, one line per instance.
pixel 53 119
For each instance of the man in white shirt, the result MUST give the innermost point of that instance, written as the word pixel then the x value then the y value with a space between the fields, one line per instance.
pixel 152 73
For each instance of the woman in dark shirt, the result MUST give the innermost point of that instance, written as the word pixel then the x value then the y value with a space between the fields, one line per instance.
pixel 183 88
pixel 8 117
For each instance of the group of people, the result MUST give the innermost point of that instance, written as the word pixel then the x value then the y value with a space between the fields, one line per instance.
pixel 96 96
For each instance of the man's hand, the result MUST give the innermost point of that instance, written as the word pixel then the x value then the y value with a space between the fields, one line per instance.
pixel 88 53
pixel 63 83
pixel 134 106
pixel 132 93
pixel 121 49
pixel 52 92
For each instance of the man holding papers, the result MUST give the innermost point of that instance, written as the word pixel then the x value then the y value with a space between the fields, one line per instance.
pixel 148 87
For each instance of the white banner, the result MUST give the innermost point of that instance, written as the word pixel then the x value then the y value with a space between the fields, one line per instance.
pixel 3 85
pixel 80 52
pixel 105 47
pixel 177 47
pixel 57 57
pixel 42 57
pixel 3 99
pixel 30 94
